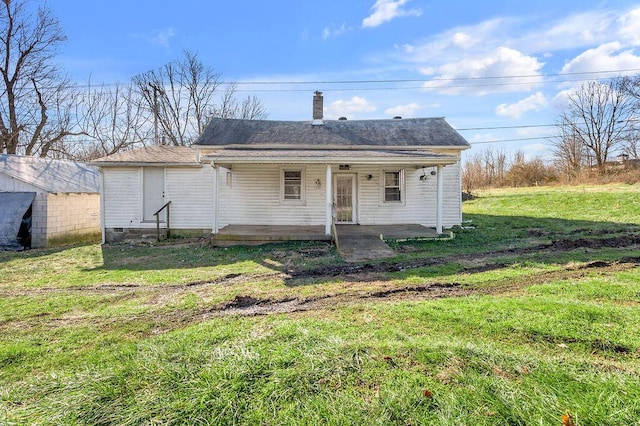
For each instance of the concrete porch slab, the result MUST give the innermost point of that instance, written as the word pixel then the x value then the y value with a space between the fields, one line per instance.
pixel 391 232
pixel 262 234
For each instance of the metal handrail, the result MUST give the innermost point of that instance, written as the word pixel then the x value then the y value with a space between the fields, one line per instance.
pixel 157 215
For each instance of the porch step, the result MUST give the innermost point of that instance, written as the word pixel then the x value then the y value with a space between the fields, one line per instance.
pixel 363 247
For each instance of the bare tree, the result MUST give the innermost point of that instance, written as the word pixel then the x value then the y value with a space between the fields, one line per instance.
pixel 36 100
pixel 487 168
pixel 249 108
pixel 599 116
pixel 523 172
pixel 180 95
pixel 115 119
pixel 569 152
pixel 631 145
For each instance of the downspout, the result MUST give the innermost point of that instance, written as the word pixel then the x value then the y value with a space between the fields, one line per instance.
pixel 214 227
pixel 439 181
pixel 329 203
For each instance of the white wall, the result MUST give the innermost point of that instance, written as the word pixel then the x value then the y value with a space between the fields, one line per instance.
pixel 250 194
pixel 190 190
pixel 122 202
pixel 253 197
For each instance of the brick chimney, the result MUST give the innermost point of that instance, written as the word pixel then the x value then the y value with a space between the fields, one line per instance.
pixel 317 108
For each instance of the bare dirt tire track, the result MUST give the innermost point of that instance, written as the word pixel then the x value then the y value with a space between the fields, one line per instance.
pixel 251 306
pixel 561 245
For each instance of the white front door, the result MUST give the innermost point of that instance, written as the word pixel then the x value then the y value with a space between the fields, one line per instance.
pixel 153 192
pixel 344 197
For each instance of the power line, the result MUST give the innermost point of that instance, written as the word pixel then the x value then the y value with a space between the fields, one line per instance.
pixel 408 80
pixel 524 126
pixel 510 140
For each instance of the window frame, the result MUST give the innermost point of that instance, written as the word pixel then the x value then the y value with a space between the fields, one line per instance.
pixel 401 187
pixel 294 201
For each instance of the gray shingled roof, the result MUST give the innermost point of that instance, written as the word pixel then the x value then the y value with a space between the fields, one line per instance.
pixel 151 155
pixel 389 133
pixel 53 176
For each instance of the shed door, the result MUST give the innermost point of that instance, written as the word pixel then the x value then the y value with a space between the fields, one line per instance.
pixel 153 192
pixel 345 198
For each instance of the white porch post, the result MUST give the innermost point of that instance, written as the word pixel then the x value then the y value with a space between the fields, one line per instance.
pixel 214 226
pixel 103 228
pixel 329 202
pixel 439 181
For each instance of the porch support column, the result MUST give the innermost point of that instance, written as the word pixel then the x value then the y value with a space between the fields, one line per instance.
pixel 214 225
pixel 439 182
pixel 329 202
pixel 103 228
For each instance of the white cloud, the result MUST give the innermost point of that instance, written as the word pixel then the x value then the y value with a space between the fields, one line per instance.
pixel 630 27
pixel 407 110
pixel 463 40
pixel 333 31
pixel 348 108
pixel 461 59
pixel 450 45
pixel 162 37
pixel 534 102
pixel 605 57
pixel 504 70
pixel 570 32
pixel 386 10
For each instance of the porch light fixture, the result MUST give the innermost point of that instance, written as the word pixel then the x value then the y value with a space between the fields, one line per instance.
pixel 318 183
pixel 369 177
pixel 424 177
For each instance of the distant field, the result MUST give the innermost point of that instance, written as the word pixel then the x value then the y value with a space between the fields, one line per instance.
pixel 531 313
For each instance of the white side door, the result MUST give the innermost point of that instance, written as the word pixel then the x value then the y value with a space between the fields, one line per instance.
pixel 152 193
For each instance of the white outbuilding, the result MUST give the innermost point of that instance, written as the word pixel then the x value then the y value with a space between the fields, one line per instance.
pixel 45 202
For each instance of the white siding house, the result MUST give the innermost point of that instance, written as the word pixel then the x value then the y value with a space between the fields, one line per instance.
pixel 290 173
pixel 60 200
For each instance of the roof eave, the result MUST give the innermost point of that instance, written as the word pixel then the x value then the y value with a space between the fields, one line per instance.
pixel 142 164
pixel 430 161
pixel 204 147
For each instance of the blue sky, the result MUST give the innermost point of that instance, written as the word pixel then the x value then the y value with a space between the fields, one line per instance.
pixel 480 64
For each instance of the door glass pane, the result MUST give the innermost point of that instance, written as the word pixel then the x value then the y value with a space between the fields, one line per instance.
pixel 344 199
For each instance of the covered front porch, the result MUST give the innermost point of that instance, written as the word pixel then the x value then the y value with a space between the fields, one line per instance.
pixel 299 195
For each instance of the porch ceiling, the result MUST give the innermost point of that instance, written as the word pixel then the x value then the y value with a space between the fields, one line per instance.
pixel 320 156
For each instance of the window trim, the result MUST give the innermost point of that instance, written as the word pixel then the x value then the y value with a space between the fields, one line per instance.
pixel 401 187
pixel 302 199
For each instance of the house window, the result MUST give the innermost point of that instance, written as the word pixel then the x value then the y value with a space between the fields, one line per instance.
pixel 393 181
pixel 292 185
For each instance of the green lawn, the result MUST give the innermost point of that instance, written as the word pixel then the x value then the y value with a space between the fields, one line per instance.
pixel 531 312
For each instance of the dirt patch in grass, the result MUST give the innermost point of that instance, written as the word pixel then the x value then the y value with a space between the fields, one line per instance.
pixel 247 305
pixel 158 298
pixel 557 246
